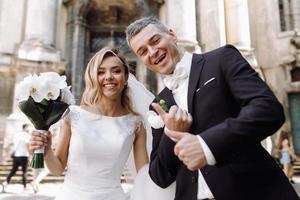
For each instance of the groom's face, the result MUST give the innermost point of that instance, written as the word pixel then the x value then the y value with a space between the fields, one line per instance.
pixel 157 49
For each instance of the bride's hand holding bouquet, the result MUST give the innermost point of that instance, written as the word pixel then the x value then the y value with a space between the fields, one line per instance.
pixel 43 99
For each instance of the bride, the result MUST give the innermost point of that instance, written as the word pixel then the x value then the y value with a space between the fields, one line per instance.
pixel 96 137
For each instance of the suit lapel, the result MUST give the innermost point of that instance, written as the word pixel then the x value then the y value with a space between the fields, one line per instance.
pixel 195 72
pixel 167 95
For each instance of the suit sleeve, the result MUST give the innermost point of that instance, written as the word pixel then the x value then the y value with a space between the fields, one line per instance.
pixel 163 162
pixel 260 112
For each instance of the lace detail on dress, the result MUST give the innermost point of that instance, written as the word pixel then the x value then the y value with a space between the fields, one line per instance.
pixel 74 114
pixel 133 122
pixel 77 113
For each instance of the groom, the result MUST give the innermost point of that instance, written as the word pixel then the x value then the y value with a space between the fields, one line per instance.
pixel 218 155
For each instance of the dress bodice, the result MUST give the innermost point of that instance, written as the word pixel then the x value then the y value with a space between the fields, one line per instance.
pixel 99 148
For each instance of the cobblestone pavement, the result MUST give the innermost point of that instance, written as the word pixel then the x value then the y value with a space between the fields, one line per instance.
pixel 48 191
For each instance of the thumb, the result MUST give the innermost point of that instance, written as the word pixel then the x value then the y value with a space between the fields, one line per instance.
pixel 159 110
pixel 174 135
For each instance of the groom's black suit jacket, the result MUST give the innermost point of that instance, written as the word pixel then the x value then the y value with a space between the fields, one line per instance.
pixel 233 114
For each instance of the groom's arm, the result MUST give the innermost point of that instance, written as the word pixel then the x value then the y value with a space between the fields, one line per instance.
pixel 260 112
pixel 163 162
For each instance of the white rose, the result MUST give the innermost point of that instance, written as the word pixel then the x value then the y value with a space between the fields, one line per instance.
pixel 155 120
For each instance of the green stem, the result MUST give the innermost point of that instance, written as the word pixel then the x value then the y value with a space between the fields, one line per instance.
pixel 37 161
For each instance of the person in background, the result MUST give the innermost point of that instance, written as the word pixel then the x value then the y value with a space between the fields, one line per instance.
pixel 20 155
pixel 286 154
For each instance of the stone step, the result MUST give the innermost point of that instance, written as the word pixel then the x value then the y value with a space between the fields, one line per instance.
pixel 19 173
pixel 296 167
pixel 7 168
pixel 47 179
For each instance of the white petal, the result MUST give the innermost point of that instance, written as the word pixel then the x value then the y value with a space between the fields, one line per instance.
pixel 52 89
pixel 38 97
pixel 54 78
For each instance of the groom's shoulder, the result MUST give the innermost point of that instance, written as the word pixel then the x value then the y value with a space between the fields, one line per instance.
pixel 220 50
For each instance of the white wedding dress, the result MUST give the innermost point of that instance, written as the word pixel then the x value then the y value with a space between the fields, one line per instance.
pixel 99 148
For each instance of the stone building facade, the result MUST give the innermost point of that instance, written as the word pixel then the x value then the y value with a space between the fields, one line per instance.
pixel 62 35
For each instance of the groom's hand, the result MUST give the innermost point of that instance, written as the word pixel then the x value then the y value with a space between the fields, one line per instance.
pixel 188 149
pixel 176 119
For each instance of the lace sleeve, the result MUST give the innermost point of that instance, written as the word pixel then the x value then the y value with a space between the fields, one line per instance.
pixel 139 125
pixel 71 115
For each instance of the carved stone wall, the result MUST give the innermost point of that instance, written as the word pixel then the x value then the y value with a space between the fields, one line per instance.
pixel 94 23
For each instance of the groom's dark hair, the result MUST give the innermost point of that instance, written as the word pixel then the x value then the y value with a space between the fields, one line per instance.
pixel 136 26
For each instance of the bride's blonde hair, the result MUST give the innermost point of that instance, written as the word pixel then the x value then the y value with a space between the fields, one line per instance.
pixel 92 92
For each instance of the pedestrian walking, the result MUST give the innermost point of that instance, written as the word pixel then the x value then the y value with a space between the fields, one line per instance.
pixel 20 155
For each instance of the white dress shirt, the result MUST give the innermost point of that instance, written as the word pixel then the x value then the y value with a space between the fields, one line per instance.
pixel 179 87
pixel 21 141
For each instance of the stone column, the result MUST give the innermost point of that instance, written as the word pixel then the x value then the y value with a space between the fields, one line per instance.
pixel 238 31
pixel 210 24
pixel 40 32
pixel 41 20
pixel 11 22
pixel 78 54
pixel 183 25
pixel 221 12
pixel 237 23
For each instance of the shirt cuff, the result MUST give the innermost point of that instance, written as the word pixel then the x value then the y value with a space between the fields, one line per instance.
pixel 207 152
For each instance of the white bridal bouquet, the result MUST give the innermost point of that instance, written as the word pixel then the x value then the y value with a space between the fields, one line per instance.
pixel 43 99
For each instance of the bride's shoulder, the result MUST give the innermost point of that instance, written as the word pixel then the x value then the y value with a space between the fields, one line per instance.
pixel 135 118
pixel 73 112
pixel 73 107
pixel 135 121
